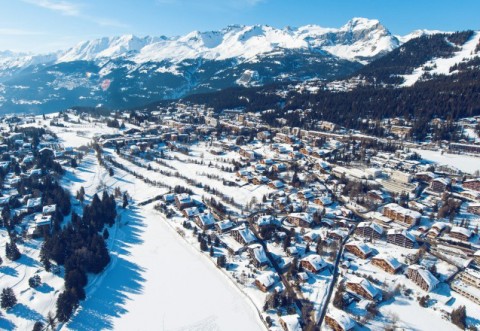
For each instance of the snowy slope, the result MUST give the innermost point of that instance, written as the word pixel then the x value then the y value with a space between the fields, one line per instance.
pixel 441 66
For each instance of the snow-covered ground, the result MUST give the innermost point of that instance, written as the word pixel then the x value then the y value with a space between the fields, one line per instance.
pixel 465 163
pixel 156 281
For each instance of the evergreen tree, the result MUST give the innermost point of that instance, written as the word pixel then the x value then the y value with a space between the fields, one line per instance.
pixel 7 298
pixel 38 326
pixel 459 317
pixel 67 302
pixel 11 251
pixel 125 200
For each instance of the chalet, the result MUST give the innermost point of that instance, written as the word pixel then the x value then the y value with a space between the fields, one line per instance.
pixel 266 280
pixel 376 196
pixel 387 263
pixel 260 180
pixel 205 220
pixel 425 176
pixel 363 288
pixel 305 195
pixel 358 249
pixel 284 138
pixel 295 155
pixel 474 208
pixel 258 256
pixel 440 185
pixel 369 230
pixel 402 215
pixel 266 222
pixel 169 197
pixel 264 135
pixel 224 226
pixel 313 263
pixel 183 200
pixel 279 167
pixel 34 204
pixel 276 184
pixel 49 209
pixel 338 320
pixel 422 277
pixel 243 235
pixel 337 234
pixel 472 184
pixel 190 212
pixel 460 233
pixel 43 225
pixel 250 155
pixel 290 323
pixel 323 200
pixel 417 206
pixel 401 238
pixel 437 229
pixel 303 220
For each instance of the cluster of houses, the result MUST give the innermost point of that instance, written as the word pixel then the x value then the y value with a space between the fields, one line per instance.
pixel 326 184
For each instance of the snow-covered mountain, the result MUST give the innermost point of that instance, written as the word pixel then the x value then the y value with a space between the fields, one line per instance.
pixel 128 71
pixel 359 39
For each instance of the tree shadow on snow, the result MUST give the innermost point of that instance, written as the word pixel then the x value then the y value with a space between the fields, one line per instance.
pixel 9 271
pixel 6 324
pixel 28 261
pixel 122 279
pixel 20 310
pixel 44 288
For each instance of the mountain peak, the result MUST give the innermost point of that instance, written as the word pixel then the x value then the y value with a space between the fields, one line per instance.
pixel 361 23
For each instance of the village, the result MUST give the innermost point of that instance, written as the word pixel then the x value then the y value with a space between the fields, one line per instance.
pixel 321 228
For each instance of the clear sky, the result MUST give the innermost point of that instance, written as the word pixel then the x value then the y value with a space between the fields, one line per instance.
pixel 47 25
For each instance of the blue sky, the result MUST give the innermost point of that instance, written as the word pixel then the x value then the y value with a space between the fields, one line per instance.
pixel 46 25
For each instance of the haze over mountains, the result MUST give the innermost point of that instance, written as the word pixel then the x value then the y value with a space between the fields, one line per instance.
pixel 128 71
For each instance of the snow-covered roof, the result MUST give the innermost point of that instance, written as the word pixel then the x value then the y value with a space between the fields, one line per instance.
pixel 43 220
pixel 225 225
pixel 316 261
pixel 465 232
pixel 391 261
pixel 342 319
pixel 247 235
pixel 259 254
pixel 426 275
pixel 34 202
pixel 403 211
pixel 192 211
pixel 303 216
pixel 267 279
pixel 49 209
pixel 364 248
pixel 366 285
pixel 402 232
pixel 374 226
pixel 206 219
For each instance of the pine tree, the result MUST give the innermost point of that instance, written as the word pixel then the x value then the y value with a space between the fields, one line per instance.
pixel 211 251
pixel 66 304
pixel 459 317
pixel 38 326
pixel 7 298
pixel 11 251
pixel 125 200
